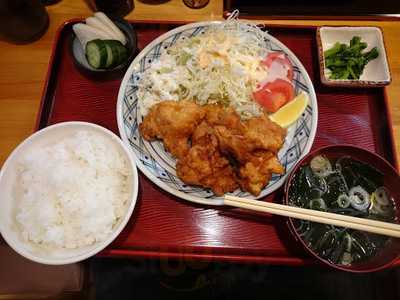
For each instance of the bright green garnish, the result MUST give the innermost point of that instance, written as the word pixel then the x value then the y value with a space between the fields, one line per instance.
pixel 348 62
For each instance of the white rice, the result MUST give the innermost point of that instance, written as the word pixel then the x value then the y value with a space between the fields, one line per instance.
pixel 73 192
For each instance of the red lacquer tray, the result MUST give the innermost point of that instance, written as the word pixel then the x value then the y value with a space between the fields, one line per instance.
pixel 165 226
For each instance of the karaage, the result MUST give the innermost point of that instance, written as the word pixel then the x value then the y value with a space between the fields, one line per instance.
pixel 255 173
pixel 214 148
pixel 204 164
pixel 254 144
pixel 173 122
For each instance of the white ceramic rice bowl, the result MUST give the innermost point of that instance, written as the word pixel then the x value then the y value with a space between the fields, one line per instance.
pixel 8 224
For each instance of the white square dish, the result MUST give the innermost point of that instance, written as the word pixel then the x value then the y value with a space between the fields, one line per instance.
pixel 376 72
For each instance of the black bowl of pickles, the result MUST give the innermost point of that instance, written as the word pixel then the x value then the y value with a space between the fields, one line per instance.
pixel 103 47
pixel 352 181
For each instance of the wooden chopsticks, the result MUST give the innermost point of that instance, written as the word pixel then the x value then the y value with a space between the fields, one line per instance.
pixel 368 225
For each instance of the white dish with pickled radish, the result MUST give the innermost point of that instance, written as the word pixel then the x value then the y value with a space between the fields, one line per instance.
pixel 230 63
pixel 102 43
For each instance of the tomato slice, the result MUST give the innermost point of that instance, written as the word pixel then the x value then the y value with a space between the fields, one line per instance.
pixel 280 58
pixel 273 95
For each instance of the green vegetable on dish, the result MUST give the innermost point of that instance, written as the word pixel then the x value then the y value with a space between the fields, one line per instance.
pixel 105 54
pixel 348 61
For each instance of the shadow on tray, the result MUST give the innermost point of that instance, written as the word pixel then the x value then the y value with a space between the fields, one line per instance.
pixel 151 279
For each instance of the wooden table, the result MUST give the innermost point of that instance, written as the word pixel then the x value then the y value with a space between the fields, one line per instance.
pixel 24 67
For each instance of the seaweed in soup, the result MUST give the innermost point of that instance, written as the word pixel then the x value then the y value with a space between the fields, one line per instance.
pixel 307 186
pixel 344 186
pixel 357 173
pixel 325 245
pixel 336 187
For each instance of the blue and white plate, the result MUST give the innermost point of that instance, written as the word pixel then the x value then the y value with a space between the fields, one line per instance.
pixel 159 166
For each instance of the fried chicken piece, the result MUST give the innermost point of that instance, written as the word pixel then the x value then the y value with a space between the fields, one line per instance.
pixel 217 115
pixel 255 173
pixel 224 151
pixel 254 144
pixel 258 133
pixel 264 134
pixel 174 123
pixel 204 165
pixel 234 144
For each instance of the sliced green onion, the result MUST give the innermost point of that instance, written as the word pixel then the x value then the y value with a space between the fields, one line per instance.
pixel 382 196
pixel 321 166
pixel 377 208
pixel 359 198
pixel 343 201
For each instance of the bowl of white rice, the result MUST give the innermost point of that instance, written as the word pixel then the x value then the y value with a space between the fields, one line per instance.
pixel 66 193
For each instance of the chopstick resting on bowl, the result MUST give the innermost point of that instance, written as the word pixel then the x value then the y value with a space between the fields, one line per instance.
pixel 373 226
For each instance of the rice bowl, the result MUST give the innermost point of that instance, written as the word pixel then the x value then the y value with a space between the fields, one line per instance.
pixel 67 192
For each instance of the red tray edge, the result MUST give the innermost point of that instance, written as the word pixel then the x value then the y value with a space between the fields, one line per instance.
pixel 49 72
pixel 391 133
pixel 267 260
pixel 177 255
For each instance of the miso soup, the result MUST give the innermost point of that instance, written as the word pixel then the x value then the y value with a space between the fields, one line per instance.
pixel 344 186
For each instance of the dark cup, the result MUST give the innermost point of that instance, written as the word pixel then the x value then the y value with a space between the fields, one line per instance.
pixel 115 8
pixel 22 21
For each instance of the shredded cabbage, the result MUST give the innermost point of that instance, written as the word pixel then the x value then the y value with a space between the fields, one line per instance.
pixel 221 65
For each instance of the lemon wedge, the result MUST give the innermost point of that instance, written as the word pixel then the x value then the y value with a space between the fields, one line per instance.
pixel 290 112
